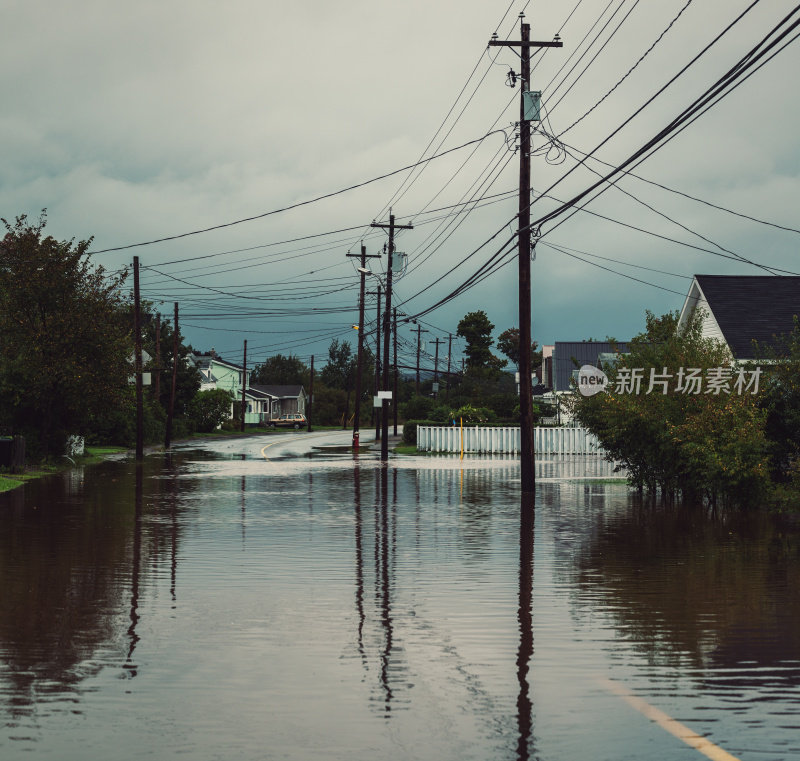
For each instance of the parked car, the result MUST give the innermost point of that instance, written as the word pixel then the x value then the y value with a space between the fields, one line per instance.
pixel 290 420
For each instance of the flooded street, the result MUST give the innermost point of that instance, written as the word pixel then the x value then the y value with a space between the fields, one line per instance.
pixel 279 598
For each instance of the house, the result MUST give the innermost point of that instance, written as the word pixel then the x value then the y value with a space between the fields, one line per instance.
pixel 569 356
pixel 259 406
pixel 740 309
pixel 561 362
pixel 285 399
pixel 217 373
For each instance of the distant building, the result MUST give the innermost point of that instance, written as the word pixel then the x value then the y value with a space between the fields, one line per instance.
pixel 569 356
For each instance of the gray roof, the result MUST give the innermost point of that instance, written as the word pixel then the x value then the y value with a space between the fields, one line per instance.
pixel 585 353
pixel 751 308
pixel 282 392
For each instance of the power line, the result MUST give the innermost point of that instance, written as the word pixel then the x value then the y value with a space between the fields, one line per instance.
pixel 296 205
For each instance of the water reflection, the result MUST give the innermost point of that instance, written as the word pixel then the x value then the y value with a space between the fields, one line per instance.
pixel 525 617
pixel 351 610
pixel 130 666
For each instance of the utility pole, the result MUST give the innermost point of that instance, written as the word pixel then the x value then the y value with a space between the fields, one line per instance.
pixel 137 338
pixel 170 412
pixel 377 361
pixel 527 464
pixel 360 355
pixel 449 357
pixel 157 370
pixel 419 330
pixel 386 332
pixel 394 391
pixel 310 396
pixel 436 362
pixel 244 383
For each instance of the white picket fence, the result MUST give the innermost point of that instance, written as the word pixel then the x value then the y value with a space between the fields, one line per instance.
pixel 500 440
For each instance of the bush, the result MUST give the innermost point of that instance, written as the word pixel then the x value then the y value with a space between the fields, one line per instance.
pixel 418 407
pixel 209 409
pixel 410 429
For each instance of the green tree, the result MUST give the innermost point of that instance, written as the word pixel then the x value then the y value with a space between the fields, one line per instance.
pixel 63 349
pixel 209 409
pixel 476 329
pixel 340 371
pixel 187 381
pixel 700 445
pixel 508 343
pixel 280 370
pixel 781 402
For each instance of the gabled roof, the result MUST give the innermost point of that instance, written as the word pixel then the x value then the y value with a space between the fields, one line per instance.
pixel 257 392
pixel 282 392
pixel 204 361
pixel 585 353
pixel 747 308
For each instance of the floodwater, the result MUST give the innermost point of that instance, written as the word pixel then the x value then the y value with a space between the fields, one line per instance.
pixel 216 604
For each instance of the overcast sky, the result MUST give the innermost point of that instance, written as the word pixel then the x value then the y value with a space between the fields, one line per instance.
pixel 132 122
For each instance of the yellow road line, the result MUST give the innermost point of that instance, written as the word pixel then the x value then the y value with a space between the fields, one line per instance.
pixel 675 728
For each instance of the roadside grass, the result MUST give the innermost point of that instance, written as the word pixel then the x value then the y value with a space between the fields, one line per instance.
pixel 406 449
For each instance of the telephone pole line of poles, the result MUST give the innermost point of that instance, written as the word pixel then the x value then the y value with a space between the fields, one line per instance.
pixel 310 409
pixel 137 360
pixel 387 334
pixel 360 354
pixel 419 330
pixel 174 386
pixel 528 113
pixel 377 360
pixel 436 361
pixel 449 357
pixel 394 390
pixel 244 384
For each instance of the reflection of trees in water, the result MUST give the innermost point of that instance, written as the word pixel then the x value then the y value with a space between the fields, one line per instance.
pixel 684 583
pixel 74 557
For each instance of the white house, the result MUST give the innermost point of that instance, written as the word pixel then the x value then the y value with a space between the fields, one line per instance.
pixel 741 309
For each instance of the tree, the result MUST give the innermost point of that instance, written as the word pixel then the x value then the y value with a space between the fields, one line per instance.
pixel 781 401
pixel 340 371
pixel 700 445
pixel 508 343
pixel 209 409
pixel 63 349
pixel 279 370
pixel 187 380
pixel 476 329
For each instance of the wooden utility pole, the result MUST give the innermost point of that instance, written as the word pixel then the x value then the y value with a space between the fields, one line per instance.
pixel 171 410
pixel 386 333
pixel 377 362
pixel 309 409
pixel 157 369
pixel 137 339
pixel 244 384
pixel 527 464
pixel 436 361
pixel 360 355
pixel 419 330
pixel 394 390
pixel 449 357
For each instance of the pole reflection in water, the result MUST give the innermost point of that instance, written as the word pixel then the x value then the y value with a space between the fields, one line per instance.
pixel 133 637
pixel 244 511
pixel 359 561
pixel 386 617
pixel 173 508
pixel 525 616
